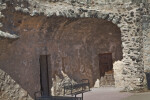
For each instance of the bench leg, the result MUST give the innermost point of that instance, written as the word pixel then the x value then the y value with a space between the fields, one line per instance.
pixel 82 96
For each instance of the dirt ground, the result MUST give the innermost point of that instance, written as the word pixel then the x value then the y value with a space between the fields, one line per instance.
pixel 110 93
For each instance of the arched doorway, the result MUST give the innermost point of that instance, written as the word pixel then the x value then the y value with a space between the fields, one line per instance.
pixel 79 42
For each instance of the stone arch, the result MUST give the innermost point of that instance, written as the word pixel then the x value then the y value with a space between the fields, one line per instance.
pixel 131 42
pixel 132 71
pixel 82 13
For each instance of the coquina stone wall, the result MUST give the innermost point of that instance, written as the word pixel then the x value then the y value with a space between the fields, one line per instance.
pixel 146 39
pixel 10 90
pixel 126 14
pixel 5 34
pixel 74 45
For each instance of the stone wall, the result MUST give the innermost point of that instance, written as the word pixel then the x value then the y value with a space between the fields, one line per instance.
pixel 118 67
pixel 74 45
pixel 98 2
pixel 146 60
pixel 93 2
pixel 10 90
pixel 127 16
pixel 146 41
pixel 5 34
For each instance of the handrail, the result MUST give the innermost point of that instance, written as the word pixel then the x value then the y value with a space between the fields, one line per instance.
pixel 69 86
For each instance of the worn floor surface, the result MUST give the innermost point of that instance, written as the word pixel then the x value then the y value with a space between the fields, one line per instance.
pixel 110 93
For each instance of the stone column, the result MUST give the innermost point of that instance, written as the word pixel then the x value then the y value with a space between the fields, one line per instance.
pixel 132 51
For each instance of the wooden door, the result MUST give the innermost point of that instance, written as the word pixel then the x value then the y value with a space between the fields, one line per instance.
pixel 105 63
pixel 44 75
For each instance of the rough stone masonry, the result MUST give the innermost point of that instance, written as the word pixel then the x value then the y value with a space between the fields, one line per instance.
pixel 131 16
pixel 10 90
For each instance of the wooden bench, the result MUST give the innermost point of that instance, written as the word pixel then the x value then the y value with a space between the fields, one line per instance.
pixel 75 89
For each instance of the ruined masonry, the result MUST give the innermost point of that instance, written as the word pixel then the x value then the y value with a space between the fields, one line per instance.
pixel 10 90
pixel 130 16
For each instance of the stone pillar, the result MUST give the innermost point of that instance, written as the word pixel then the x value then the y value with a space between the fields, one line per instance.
pixel 132 52
pixel 146 42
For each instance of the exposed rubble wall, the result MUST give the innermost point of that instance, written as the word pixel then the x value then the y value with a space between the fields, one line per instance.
pixel 10 90
pixel 126 15
pixel 118 67
pixel 5 34
pixel 127 18
pixel 74 45
pixel 146 39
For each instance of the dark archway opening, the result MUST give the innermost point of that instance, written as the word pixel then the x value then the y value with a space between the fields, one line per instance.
pixel 106 69
pixel 44 75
